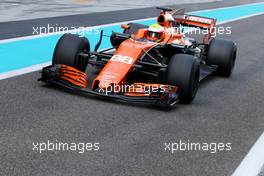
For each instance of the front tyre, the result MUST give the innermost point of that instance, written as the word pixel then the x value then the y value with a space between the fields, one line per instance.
pixel 184 71
pixel 68 49
pixel 222 52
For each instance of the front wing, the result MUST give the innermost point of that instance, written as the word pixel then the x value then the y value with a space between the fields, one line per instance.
pixel 76 81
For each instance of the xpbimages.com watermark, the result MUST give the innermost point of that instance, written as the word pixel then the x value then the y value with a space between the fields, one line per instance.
pixel 56 146
pixel 56 29
pixel 212 147
pixel 145 89
pixel 214 31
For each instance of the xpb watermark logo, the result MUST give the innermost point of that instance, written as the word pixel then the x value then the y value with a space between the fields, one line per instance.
pixel 80 147
pixel 212 147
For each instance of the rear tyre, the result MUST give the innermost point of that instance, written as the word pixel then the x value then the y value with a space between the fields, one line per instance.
pixel 222 52
pixel 68 49
pixel 184 71
pixel 134 27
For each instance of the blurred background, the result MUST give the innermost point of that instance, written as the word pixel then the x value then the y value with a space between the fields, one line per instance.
pixel 31 9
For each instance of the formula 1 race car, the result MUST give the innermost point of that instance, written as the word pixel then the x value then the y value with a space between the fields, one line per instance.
pixel 154 64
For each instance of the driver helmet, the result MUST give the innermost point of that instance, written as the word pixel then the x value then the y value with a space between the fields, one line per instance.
pixel 155 33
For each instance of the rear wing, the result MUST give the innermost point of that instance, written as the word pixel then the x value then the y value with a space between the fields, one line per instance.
pixel 204 23
pixel 196 21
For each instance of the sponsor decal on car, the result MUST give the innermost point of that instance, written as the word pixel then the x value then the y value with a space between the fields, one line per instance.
pixel 123 59
pixel 199 19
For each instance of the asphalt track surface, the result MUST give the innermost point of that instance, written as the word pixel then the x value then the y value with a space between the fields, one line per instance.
pixel 131 137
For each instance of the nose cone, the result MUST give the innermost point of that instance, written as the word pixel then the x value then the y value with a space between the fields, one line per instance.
pixel 107 80
pixel 117 68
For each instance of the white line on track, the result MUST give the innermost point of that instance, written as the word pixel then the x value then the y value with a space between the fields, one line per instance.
pixel 230 7
pixel 50 34
pixel 254 160
pixel 22 71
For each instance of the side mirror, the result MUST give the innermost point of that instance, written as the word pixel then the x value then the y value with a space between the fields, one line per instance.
pixel 125 26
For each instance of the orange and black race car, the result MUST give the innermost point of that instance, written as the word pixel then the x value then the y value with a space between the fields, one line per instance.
pixel 154 64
